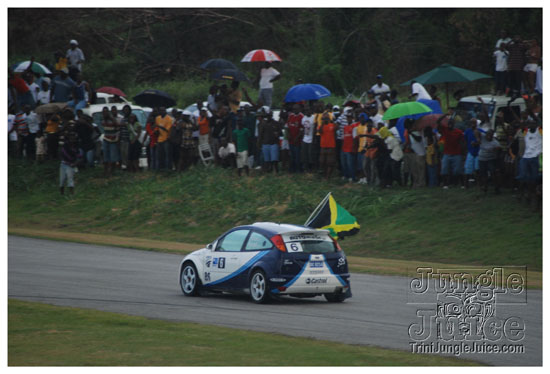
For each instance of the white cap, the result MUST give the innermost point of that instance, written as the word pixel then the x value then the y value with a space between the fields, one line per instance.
pixel 46 79
pixel 73 42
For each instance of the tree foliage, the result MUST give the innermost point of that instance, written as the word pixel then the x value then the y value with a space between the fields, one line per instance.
pixel 342 48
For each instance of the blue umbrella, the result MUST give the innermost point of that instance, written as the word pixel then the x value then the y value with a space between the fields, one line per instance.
pixel 217 64
pixel 432 104
pixel 306 91
pixel 154 98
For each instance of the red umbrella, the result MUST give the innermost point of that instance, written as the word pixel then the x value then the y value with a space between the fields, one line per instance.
pixel 111 91
pixel 261 55
pixel 429 120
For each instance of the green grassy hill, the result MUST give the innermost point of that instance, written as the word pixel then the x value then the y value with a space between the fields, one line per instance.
pixel 449 226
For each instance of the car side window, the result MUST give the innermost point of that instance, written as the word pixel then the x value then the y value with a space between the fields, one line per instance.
pixel 233 242
pixel 257 242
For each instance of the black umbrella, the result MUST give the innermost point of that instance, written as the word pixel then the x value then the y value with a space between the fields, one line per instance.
pixel 230 74
pixel 154 98
pixel 217 64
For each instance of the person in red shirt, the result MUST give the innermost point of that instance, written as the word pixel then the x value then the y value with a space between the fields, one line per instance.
pixel 451 164
pixel 327 158
pixel 295 135
pixel 349 147
pixel 150 129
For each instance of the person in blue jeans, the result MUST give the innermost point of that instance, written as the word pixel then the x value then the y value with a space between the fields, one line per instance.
pixel 471 165
pixel 80 94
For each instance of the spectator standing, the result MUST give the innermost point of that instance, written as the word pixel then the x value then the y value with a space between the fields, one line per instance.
pixel 379 89
pixel 250 122
pixel 267 76
pixel 163 124
pixel 124 122
pixel 533 56
pixel 187 143
pixel 327 158
pixel 204 127
pixel 63 87
pixel 503 41
pixel 226 153
pixel 418 146
pixel 268 140
pixel 40 142
pixel 12 133
pixel 33 121
pixel 75 58
pixel 452 151
pixel 529 163
pixel 23 135
pixel 219 125
pixel 175 135
pixel 241 136
pixel 432 158
pixel 81 93
pixel 418 92
pixel 111 137
pixel 43 96
pixel 150 128
pixel 516 57
pixel 501 69
pixel 349 147
pixel 20 89
pixel 471 165
pixel 86 132
pixel 488 155
pixel 69 158
pixel 212 104
pixel 234 97
pixel 52 135
pixel 295 135
pixel 308 124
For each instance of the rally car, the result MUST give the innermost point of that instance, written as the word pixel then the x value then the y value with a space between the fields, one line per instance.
pixel 267 260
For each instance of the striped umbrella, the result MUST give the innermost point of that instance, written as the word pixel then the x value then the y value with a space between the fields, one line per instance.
pixel 261 55
pixel 36 67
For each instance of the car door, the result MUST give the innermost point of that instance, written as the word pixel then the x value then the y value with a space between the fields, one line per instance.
pixel 226 258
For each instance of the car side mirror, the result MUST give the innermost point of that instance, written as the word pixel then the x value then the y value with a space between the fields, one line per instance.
pixel 209 246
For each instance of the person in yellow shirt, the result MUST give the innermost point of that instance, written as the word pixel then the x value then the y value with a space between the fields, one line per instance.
pixel 163 124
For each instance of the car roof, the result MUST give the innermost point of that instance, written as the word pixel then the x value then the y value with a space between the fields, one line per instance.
pixel 492 99
pixel 279 228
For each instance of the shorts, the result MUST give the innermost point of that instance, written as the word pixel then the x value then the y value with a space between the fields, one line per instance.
pixel 471 164
pixel 486 167
pixel 452 164
pixel 530 68
pixel 242 158
pixel 110 152
pixel 327 157
pixel 270 152
pixel 66 174
pixel 528 169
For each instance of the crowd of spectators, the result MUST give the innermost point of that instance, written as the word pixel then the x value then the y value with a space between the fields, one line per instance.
pixel 353 143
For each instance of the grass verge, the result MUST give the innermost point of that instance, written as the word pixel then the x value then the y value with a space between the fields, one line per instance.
pixel 45 335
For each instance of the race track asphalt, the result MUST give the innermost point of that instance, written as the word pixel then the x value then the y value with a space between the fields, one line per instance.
pixel 146 284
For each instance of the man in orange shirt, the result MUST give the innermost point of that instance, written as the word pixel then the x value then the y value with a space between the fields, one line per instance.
pixel 204 126
pixel 163 125
pixel 327 158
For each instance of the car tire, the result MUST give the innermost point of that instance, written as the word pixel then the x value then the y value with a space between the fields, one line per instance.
pixel 258 287
pixel 189 280
pixel 335 297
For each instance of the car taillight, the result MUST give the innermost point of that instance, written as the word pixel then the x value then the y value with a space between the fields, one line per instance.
pixel 337 245
pixel 279 243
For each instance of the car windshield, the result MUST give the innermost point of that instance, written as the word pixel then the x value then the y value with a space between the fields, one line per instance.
pixel 467 110
pixel 318 246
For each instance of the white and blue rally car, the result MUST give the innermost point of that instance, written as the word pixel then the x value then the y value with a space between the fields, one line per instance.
pixel 269 259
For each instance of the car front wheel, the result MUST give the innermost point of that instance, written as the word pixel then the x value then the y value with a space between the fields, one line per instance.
pixel 189 280
pixel 258 287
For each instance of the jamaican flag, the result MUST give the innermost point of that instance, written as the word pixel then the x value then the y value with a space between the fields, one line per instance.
pixel 332 217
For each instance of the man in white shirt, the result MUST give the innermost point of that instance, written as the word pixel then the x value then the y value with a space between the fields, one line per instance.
pixel 75 58
pixel 268 75
pixel 33 122
pixel 380 88
pixel 501 67
pixel 12 135
pixel 504 39
pixel 308 121
pixel 419 92
pixel 227 153
pixel 43 96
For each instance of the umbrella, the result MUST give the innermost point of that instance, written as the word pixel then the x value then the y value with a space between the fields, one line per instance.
pixel 306 91
pixel 405 109
pixel 230 74
pixel 36 67
pixel 50 108
pixel 261 55
pixel 447 73
pixel 435 110
pixel 429 120
pixel 217 64
pixel 111 91
pixel 154 98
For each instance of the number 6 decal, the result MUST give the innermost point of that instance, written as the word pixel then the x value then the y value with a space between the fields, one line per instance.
pixel 294 247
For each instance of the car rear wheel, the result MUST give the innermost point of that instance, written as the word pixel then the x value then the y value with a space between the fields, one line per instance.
pixel 335 297
pixel 189 280
pixel 258 287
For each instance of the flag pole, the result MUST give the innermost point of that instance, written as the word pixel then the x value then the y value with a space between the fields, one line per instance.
pixel 317 209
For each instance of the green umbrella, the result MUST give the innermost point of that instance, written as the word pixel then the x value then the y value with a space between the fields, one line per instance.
pixel 405 109
pixel 447 73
